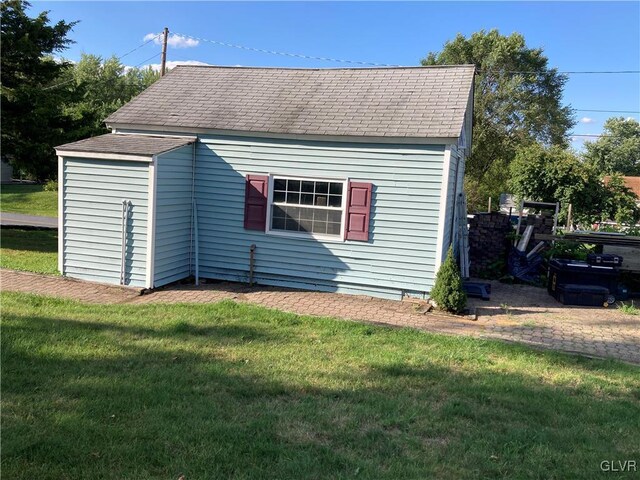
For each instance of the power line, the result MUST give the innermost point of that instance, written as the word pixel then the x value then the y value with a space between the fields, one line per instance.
pixel 329 59
pixel 139 46
pixel 595 72
pixel 150 58
pixel 566 72
pixel 284 54
pixel 588 135
pixel 118 58
pixel 606 111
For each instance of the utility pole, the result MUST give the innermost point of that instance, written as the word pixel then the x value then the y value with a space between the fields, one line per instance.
pixel 165 35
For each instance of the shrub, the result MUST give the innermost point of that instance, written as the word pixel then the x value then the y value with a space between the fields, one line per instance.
pixel 447 291
pixel 569 250
pixel 51 186
pixel 629 309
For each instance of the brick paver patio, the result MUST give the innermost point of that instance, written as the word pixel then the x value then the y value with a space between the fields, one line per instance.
pixel 515 313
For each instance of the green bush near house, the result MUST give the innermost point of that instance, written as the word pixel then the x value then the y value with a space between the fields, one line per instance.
pixel 447 291
pixel 51 186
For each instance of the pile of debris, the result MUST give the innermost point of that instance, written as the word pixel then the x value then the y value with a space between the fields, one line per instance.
pixel 542 224
pixel 525 261
pixel 488 241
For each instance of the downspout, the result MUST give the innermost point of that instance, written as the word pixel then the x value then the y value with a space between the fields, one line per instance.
pixel 193 244
pixel 126 204
pixel 195 228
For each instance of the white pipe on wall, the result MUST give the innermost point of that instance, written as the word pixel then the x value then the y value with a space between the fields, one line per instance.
pixel 126 204
pixel 195 242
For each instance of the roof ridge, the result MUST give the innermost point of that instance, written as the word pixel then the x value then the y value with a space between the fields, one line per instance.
pixel 399 67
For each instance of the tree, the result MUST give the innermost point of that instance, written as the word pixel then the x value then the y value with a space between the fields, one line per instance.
pixel 517 102
pixel 32 117
pixel 619 202
pixel 552 174
pixel 103 86
pixel 618 149
pixel 447 291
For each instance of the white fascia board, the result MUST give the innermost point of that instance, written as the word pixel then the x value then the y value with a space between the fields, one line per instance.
pixel 469 120
pixel 326 138
pixel 149 134
pixel 105 156
pixel 151 223
pixel 61 215
pixel 442 213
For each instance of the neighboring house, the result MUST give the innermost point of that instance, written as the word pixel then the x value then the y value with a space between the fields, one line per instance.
pixel 632 183
pixel 6 172
pixel 344 180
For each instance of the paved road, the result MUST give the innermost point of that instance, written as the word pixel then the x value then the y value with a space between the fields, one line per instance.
pixel 20 220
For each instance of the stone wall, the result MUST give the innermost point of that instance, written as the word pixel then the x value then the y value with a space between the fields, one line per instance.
pixel 489 241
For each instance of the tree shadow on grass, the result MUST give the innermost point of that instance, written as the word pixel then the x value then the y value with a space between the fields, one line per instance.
pixel 106 400
pixel 45 241
pixel 177 330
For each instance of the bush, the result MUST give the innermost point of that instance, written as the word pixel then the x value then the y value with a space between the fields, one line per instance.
pixel 447 292
pixel 51 186
pixel 569 250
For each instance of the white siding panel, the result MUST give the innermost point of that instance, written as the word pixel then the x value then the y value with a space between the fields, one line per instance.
pixel 92 201
pixel 174 172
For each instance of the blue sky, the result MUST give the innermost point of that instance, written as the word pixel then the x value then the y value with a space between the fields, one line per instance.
pixel 574 35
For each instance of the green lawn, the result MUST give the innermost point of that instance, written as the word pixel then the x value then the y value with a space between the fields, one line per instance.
pixel 233 391
pixel 29 250
pixel 28 199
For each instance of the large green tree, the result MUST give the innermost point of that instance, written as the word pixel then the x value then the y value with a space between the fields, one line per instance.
pixel 102 86
pixel 32 116
pixel 518 102
pixel 618 149
pixel 554 174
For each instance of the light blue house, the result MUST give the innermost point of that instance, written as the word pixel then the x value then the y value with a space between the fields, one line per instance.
pixel 325 179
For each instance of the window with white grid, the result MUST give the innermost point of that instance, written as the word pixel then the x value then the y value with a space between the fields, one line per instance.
pixel 307 206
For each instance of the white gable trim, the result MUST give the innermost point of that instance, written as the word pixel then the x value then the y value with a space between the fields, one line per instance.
pixel 442 213
pixel 61 215
pixel 151 223
pixel 105 156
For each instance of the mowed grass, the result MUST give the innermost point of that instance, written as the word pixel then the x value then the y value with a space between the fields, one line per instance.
pixel 29 200
pixel 29 250
pixel 234 391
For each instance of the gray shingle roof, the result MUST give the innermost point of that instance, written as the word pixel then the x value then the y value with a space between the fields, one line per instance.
pixel 378 102
pixel 146 145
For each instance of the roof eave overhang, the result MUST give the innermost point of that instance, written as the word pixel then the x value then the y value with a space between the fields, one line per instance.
pixel 104 155
pixel 166 129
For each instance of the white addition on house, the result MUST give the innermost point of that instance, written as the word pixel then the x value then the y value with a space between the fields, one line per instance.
pixel 342 180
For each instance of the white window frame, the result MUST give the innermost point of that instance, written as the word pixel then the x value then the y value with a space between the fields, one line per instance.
pixel 308 235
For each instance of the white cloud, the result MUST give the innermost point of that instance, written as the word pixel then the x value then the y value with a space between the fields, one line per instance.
pixel 587 120
pixel 172 64
pixel 58 59
pixel 174 40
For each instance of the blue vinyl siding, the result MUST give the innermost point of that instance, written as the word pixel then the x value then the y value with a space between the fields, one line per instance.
pixel 450 206
pixel 174 180
pixel 400 255
pixel 93 193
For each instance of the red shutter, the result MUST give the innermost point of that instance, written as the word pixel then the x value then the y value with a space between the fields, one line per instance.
pixel 358 211
pixel 255 202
